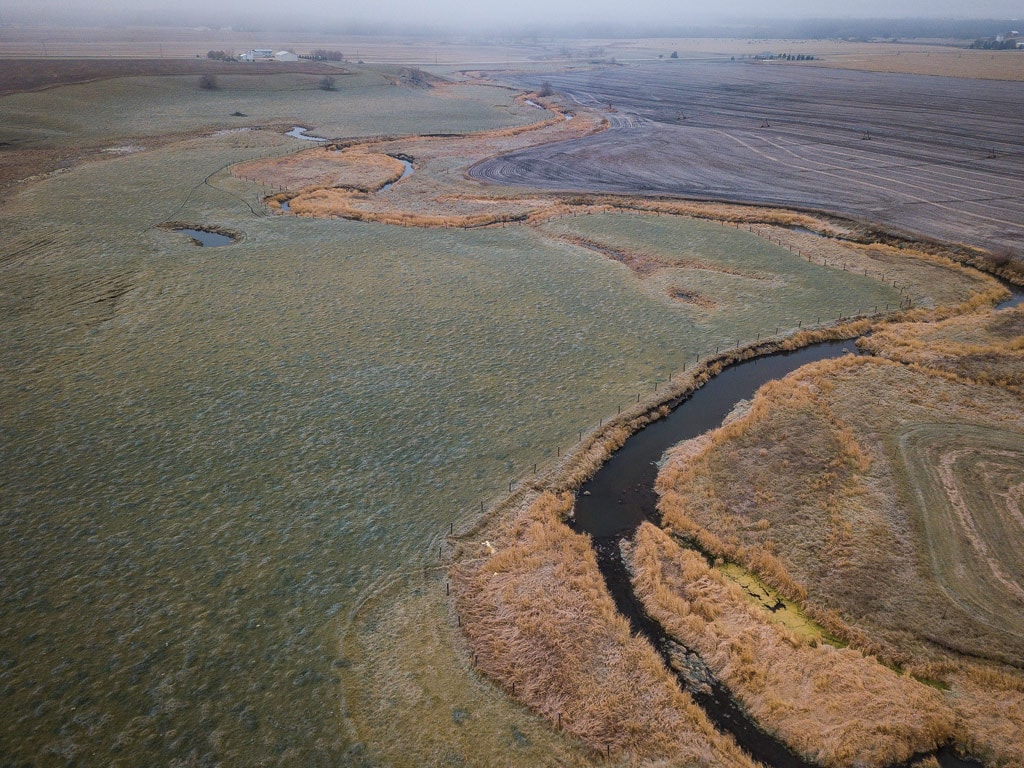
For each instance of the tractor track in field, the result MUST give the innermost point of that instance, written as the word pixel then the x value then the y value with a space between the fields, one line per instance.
pixel 936 157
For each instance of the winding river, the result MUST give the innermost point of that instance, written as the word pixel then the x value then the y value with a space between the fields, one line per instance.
pixel 620 496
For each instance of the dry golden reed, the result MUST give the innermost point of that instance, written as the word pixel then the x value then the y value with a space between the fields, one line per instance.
pixel 539 622
pixel 836 707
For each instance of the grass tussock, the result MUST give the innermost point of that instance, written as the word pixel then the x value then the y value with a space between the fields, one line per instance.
pixel 982 347
pixel 990 702
pixel 835 706
pixel 539 622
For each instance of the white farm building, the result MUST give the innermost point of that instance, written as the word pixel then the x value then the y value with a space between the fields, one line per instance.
pixel 257 54
pixel 266 54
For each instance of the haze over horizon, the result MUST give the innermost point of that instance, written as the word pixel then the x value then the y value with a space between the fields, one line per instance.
pixel 488 14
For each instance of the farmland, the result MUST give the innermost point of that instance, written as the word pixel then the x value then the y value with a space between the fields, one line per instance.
pixel 936 157
pixel 236 478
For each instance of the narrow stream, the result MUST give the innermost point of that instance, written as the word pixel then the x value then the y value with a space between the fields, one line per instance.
pixel 620 496
pixel 407 171
pixel 298 132
pixel 1015 300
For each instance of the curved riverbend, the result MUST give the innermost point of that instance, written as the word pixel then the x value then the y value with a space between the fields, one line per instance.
pixel 407 170
pixel 620 496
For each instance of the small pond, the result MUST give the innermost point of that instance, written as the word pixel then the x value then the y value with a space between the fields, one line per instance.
pixel 207 239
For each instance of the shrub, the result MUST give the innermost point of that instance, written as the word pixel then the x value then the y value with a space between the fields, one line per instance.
pixel 208 82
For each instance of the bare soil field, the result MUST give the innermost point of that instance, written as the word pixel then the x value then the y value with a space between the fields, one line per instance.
pixel 934 157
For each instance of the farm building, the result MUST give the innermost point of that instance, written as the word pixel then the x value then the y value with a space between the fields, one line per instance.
pixel 285 56
pixel 257 54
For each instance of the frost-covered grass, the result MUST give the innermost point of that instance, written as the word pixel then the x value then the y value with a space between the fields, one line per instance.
pixel 212 457
pixel 733 283
pixel 365 103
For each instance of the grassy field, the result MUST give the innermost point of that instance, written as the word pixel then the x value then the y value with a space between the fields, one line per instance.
pixel 365 102
pixel 228 472
pixel 722 274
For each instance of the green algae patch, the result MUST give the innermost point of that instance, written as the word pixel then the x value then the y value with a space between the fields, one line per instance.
pixel 778 608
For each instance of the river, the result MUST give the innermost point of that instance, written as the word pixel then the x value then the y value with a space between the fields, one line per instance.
pixel 620 496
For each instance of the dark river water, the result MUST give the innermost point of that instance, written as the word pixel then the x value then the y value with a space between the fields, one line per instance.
pixel 621 496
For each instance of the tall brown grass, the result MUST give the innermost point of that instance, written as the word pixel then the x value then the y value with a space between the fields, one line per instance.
pixel 312 169
pixel 539 621
pixel 990 702
pixel 980 347
pixel 836 707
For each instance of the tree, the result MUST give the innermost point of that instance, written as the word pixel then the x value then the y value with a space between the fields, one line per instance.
pixel 323 54
pixel 545 89
pixel 208 82
pixel 327 83
pixel 674 55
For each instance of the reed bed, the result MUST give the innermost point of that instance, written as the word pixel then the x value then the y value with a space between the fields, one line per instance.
pixel 836 707
pixel 538 621
pixel 982 347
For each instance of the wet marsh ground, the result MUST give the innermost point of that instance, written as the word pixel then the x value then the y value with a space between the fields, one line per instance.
pixel 227 473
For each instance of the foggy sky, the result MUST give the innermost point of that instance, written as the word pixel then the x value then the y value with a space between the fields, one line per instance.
pixel 494 13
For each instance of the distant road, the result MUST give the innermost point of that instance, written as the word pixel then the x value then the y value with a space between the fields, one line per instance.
pixel 938 157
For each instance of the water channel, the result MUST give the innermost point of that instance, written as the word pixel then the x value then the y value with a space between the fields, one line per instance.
pixel 298 132
pixel 407 170
pixel 620 496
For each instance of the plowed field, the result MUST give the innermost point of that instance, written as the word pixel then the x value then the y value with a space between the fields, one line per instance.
pixel 938 157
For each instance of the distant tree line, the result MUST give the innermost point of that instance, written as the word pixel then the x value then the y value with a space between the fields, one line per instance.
pixel 991 44
pixel 784 57
pixel 322 54
pixel 220 56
